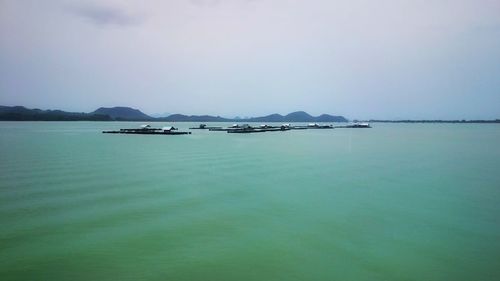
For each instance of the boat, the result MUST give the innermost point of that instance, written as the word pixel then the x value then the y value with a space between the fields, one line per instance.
pixel 204 127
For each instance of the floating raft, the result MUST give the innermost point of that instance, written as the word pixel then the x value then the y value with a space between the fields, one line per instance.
pixel 219 129
pixel 242 129
pixel 362 125
pixel 312 127
pixel 247 130
pixel 233 127
pixel 146 130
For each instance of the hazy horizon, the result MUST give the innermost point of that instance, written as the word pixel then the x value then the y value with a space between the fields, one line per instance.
pixel 166 114
pixel 360 59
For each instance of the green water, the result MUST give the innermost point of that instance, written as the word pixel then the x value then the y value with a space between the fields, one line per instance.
pixel 395 202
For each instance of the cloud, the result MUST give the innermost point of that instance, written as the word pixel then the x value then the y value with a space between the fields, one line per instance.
pixel 104 15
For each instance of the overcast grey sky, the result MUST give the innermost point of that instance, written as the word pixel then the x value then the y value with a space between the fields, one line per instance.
pixel 358 58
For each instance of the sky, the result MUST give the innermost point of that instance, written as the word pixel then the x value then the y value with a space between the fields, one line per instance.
pixel 385 59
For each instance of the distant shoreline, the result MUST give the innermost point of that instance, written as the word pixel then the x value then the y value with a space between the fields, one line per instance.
pixel 496 121
pixel 127 114
pixel 21 113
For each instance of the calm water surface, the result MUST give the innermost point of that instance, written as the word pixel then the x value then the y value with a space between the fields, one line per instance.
pixel 395 202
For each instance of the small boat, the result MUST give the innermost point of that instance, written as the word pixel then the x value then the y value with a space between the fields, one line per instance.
pixel 201 127
pixel 169 129
pixel 204 127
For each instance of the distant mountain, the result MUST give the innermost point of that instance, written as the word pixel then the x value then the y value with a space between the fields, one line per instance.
pixel 269 118
pixel 193 118
pixel 330 118
pixel 298 116
pixel 21 113
pixel 123 113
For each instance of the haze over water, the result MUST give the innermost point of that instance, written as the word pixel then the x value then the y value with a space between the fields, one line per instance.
pixel 395 202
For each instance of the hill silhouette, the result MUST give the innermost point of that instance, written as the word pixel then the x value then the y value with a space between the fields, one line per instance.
pixel 120 113
pixel 21 113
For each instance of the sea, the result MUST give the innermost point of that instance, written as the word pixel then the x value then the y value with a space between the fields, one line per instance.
pixel 394 202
